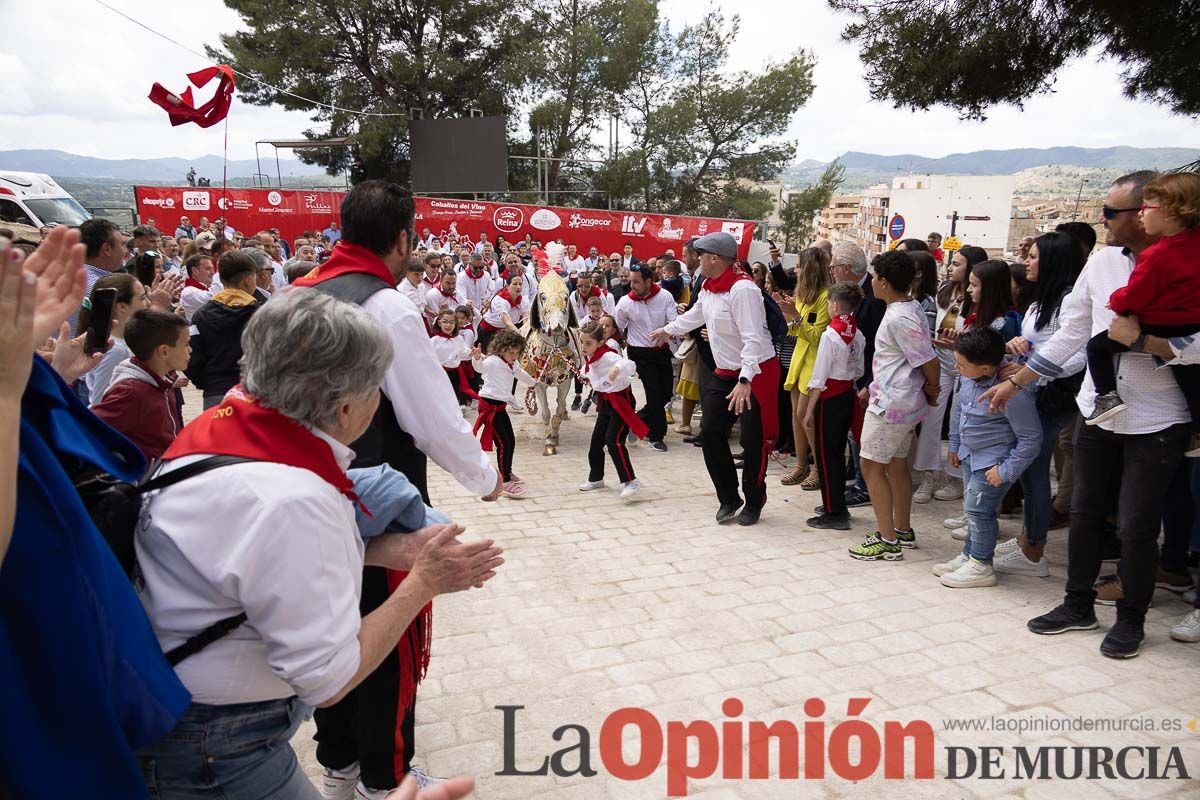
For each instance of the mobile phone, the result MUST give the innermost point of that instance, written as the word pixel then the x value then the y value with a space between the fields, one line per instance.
pixel 100 320
pixel 771 243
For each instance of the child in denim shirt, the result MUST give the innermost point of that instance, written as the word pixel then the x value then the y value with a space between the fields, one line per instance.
pixel 993 450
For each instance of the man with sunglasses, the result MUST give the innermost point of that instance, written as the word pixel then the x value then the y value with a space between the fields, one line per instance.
pixel 1129 458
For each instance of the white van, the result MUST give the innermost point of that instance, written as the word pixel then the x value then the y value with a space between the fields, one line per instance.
pixel 30 198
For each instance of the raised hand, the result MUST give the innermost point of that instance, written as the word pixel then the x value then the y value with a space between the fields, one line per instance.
pixel 61 280
pixel 18 301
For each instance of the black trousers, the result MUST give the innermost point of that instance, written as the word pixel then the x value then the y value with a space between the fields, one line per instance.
pixel 715 425
pixel 362 726
pixel 609 433
pixel 1135 469
pixel 505 443
pixel 654 368
pixel 1100 357
pixel 831 426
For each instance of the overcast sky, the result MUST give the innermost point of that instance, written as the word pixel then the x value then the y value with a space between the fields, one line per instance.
pixel 76 77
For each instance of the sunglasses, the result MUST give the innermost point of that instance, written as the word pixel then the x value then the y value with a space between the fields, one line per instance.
pixel 1110 213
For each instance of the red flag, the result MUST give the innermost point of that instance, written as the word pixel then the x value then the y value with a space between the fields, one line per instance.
pixel 182 109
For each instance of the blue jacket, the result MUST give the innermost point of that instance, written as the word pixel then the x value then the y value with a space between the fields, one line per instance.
pixel 1011 438
pixel 83 683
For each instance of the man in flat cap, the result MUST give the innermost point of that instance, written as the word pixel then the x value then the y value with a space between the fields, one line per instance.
pixel 745 383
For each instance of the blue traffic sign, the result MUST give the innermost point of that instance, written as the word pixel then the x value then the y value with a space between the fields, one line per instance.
pixel 896 227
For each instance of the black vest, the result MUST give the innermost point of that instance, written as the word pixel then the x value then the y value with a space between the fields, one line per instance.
pixel 385 442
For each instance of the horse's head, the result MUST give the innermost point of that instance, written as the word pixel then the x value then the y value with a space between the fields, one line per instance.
pixel 553 312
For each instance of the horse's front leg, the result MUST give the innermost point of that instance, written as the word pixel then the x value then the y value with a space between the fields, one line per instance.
pixel 548 446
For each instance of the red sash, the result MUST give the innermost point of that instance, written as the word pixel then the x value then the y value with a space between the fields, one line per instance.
pixel 765 388
pixel 622 404
pixel 486 421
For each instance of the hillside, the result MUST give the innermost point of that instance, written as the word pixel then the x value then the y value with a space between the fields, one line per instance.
pixel 68 165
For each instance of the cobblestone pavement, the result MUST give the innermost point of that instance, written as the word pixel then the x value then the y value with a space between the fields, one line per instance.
pixel 604 604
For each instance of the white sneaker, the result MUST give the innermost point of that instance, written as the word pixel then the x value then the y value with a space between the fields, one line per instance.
pixel 970 575
pixel 1008 545
pixel 631 489
pixel 1188 630
pixel 960 534
pixel 949 566
pixel 362 792
pixel 924 491
pixel 952 489
pixel 338 784
pixel 591 486
pixel 423 778
pixel 1014 562
pixel 955 522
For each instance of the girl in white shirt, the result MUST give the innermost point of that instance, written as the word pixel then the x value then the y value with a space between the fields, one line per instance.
pixel 454 354
pixel 506 310
pixel 499 370
pixel 610 376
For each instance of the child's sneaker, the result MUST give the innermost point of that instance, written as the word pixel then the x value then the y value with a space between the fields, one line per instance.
pixel 972 574
pixel 424 779
pixel 955 522
pixel 1108 405
pixel 906 538
pixel 591 486
pixel 338 784
pixel 960 534
pixel 1008 545
pixel 949 566
pixel 875 548
pixel 1014 562
pixel 952 489
pixel 514 490
pixel 631 489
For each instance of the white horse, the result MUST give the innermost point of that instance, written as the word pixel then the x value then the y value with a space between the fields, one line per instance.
pixel 552 354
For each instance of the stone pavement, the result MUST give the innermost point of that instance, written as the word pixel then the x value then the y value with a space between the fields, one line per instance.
pixel 604 604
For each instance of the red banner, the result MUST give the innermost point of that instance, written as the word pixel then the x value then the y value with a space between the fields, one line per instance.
pixel 295 211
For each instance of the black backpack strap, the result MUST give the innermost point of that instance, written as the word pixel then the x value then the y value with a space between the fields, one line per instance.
pixel 222 627
pixel 204 638
pixel 190 471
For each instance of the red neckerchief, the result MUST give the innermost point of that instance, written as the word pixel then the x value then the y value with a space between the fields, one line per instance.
pixel 431 284
pixel 969 321
pixel 506 297
pixel 844 327
pixel 725 281
pixel 637 298
pixel 239 426
pixel 182 109
pixel 195 284
pixel 600 351
pixel 445 293
pixel 478 277
pixel 595 291
pixel 346 259
pixel 439 332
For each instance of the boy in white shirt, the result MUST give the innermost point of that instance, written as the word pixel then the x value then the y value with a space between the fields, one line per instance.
pixel 833 402
pixel 499 370
pixel 610 376
pixel 906 382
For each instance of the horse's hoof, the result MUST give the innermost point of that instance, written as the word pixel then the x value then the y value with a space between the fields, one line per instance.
pixel 549 451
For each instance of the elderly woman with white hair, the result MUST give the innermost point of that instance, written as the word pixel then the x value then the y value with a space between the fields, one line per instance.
pixel 268 549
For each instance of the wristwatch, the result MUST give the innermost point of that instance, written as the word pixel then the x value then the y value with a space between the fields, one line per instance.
pixel 1139 344
pixel 744 380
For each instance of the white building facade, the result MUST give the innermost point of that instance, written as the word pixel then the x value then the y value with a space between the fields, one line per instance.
pixel 927 202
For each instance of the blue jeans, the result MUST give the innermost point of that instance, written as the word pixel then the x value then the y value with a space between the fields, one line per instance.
pixel 1036 480
pixel 981 501
pixel 235 752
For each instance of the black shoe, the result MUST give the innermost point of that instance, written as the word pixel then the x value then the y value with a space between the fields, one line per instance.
pixel 749 515
pixel 821 509
pixel 832 522
pixel 658 447
pixel 1062 619
pixel 693 439
pixel 728 511
pixel 856 498
pixel 576 403
pixel 1123 640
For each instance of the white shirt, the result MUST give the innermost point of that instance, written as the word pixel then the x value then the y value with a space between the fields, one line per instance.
pixel 737 327
pixel 192 300
pixel 597 373
pixel 1153 397
pixel 580 304
pixel 416 294
pixel 1038 339
pixel 451 351
pixel 275 542
pixel 903 346
pixel 638 318
pixel 476 291
pixel 498 377
pixel 500 306
pixel 434 299
pixel 837 360
pixel 99 377
pixel 422 398
pixel 573 266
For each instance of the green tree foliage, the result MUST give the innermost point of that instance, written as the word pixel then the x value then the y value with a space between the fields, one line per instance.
pixel 797 213
pixel 578 74
pixel 386 56
pixel 700 129
pixel 974 54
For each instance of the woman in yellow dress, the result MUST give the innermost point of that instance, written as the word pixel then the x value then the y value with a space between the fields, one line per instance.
pixel 806 322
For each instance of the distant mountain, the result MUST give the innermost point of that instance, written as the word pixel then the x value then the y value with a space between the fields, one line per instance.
pixel 59 164
pixel 866 169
